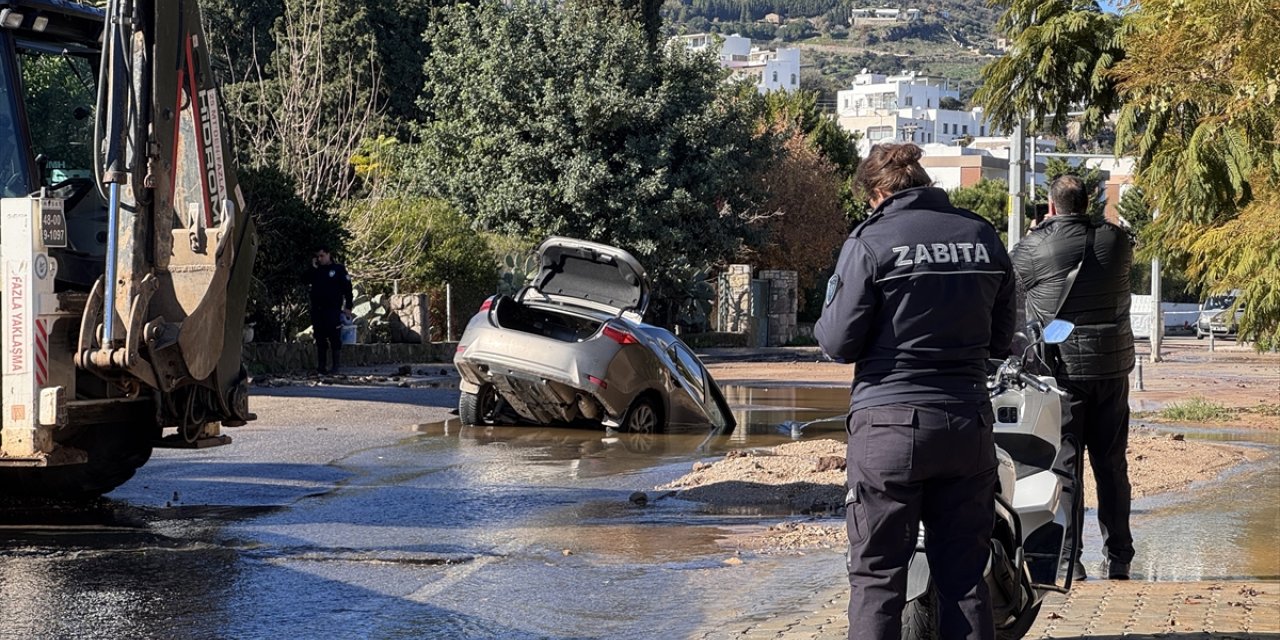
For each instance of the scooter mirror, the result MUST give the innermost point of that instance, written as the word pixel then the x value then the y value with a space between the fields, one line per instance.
pixel 1057 331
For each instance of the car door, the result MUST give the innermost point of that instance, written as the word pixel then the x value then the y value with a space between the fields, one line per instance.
pixel 706 405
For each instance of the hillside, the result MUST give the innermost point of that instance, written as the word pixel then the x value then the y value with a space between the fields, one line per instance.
pixel 952 38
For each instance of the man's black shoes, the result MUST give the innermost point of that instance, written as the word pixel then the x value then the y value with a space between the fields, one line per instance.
pixel 1076 569
pixel 1115 570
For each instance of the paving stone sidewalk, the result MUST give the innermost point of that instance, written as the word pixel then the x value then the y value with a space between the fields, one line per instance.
pixel 1244 610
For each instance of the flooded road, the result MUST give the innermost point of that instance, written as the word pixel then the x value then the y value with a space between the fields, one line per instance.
pixel 388 519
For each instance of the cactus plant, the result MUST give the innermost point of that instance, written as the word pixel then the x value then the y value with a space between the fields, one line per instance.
pixel 516 269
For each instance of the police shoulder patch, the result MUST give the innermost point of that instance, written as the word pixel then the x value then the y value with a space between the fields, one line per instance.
pixel 833 285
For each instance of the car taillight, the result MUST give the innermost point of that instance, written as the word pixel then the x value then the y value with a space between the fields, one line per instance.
pixel 461 348
pixel 598 382
pixel 618 335
pixel 488 302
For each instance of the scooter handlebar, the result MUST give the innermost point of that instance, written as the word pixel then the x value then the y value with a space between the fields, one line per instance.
pixel 1034 382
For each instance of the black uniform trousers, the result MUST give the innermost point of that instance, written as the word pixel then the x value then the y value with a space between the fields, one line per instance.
pixel 933 463
pixel 1096 413
pixel 326 325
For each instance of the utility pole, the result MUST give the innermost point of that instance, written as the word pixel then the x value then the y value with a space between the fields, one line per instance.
pixel 1157 320
pixel 1017 182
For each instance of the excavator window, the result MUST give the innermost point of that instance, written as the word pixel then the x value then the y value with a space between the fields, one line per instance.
pixel 59 87
pixel 14 180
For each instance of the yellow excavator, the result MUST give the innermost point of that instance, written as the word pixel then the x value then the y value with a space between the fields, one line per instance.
pixel 127 251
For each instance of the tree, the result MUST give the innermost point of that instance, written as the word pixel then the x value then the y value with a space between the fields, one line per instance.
pixel 645 13
pixel 289 232
pixel 384 36
pixel 547 120
pixel 419 244
pixel 987 198
pixel 307 110
pixel 1200 112
pixel 798 111
pixel 807 226
pixel 1060 59
pixel 1174 285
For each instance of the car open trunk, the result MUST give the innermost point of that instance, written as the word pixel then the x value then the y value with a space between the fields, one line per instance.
pixel 544 320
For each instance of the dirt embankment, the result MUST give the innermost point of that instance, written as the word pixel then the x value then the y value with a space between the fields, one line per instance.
pixel 804 477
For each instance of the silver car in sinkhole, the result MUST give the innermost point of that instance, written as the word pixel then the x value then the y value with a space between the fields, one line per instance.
pixel 571 346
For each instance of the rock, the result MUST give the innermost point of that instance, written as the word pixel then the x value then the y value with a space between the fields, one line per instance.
pixel 639 498
pixel 737 453
pixel 1178 437
pixel 699 466
pixel 830 463
pixel 733 562
pixel 404 370
pixel 566 552
pixel 403 384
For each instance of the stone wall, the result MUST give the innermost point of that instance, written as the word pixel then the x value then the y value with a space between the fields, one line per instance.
pixel 409 317
pixel 733 301
pixel 275 357
pixel 781 306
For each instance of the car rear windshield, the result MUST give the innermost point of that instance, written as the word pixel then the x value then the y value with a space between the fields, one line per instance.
pixel 1219 302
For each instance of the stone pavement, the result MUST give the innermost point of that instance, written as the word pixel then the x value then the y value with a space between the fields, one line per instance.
pixel 1244 610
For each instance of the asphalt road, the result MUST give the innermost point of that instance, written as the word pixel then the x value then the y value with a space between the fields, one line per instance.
pixel 365 512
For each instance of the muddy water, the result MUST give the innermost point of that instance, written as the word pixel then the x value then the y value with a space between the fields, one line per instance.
pixel 502 532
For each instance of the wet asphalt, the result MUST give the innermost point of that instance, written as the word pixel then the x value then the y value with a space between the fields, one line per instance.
pixel 369 512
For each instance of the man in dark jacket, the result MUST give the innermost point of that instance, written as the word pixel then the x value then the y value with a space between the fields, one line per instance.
pixel 1093 365
pixel 331 298
pixel 923 294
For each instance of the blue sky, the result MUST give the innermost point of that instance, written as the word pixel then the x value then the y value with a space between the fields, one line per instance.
pixel 1111 5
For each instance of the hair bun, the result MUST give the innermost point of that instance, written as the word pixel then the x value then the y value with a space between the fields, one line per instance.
pixel 903 155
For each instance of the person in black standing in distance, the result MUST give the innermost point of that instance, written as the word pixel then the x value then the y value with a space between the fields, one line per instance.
pixel 331 300
pixel 1093 365
pixel 922 295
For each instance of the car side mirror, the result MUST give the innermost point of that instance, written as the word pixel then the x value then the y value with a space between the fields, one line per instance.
pixel 1058 331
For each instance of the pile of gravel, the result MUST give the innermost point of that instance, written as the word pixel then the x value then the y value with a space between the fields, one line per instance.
pixel 801 476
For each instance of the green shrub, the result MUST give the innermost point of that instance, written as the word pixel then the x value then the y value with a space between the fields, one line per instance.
pixel 1196 409
pixel 418 245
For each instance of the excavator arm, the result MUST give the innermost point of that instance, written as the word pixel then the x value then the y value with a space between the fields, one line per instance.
pixel 136 310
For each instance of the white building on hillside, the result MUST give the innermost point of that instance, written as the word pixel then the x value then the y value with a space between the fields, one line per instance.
pixel 906 108
pixel 768 69
pixel 880 16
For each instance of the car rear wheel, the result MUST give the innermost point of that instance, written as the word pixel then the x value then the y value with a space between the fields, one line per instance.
pixel 643 417
pixel 478 408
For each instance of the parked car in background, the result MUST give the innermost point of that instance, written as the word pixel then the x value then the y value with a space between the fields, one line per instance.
pixel 572 346
pixel 1220 315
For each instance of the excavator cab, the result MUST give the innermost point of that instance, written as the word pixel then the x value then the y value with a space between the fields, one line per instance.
pixel 127 250
pixel 49 84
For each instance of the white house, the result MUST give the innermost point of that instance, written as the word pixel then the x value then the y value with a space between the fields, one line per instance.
pixel 952 166
pixel 768 69
pixel 907 108
pixel 882 16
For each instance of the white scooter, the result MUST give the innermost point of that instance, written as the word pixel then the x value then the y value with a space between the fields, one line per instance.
pixel 1034 504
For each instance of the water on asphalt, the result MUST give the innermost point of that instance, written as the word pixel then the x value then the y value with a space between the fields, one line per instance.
pixel 499 532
